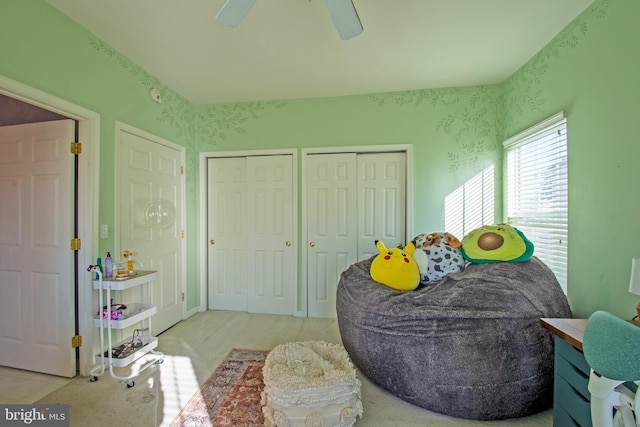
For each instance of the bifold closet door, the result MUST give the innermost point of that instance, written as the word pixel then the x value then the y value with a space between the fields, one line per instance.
pixel 382 201
pixel 271 239
pixel 227 233
pixel 353 199
pixel 251 236
pixel 332 222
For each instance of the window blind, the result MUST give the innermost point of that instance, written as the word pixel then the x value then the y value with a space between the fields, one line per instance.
pixel 537 191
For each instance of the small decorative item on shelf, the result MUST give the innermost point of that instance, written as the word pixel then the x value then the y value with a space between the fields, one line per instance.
pixel 128 254
pixel 118 311
pixel 121 272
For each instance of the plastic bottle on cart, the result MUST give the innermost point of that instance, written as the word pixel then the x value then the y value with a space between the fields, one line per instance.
pixel 108 265
pixel 99 263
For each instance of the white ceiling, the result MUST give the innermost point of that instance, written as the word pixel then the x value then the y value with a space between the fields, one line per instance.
pixel 287 49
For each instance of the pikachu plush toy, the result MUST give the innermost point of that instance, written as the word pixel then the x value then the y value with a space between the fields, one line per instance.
pixel 395 267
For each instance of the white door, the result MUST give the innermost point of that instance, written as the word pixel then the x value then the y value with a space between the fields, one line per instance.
pixel 227 233
pixel 150 184
pixel 37 313
pixel 270 254
pixel 352 201
pixel 251 234
pixel 381 201
pixel 332 224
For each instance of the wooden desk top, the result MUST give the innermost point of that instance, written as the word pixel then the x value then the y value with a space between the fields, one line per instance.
pixel 570 330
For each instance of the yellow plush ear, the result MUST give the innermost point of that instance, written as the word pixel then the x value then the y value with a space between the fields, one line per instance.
pixel 410 249
pixel 395 267
pixel 381 247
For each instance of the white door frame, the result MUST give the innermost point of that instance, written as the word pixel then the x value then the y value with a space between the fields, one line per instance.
pixel 406 148
pixel 89 177
pixel 204 243
pixel 120 126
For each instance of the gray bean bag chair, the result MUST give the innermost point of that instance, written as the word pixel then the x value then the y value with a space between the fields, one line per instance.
pixel 469 346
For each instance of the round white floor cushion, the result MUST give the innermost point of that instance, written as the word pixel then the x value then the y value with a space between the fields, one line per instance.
pixel 311 384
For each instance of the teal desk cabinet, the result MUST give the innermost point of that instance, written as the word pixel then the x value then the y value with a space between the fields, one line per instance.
pixel 571 398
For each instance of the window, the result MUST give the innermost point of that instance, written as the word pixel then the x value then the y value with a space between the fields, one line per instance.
pixel 471 205
pixel 536 192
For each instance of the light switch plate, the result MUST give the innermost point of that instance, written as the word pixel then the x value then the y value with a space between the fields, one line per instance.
pixel 104 231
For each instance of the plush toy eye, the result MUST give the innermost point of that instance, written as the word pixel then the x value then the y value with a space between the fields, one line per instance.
pixel 403 254
pixel 390 253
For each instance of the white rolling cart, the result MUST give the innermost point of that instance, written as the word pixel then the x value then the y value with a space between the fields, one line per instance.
pixel 141 342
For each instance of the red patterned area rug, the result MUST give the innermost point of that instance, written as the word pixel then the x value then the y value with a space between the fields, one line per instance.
pixel 231 395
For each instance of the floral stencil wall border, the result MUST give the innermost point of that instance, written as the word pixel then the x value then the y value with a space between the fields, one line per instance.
pixel 202 130
pixel 177 111
pixel 522 91
pixel 216 121
pixel 472 124
pixel 479 127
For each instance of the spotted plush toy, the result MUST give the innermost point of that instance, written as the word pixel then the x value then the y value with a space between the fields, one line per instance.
pixel 395 267
pixel 437 254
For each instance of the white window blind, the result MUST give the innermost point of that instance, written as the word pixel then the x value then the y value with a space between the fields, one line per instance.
pixel 471 205
pixel 537 190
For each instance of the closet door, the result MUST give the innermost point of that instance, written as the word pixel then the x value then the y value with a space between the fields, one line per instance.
pixel 271 270
pixel 332 221
pixel 251 234
pixel 227 233
pixel 352 201
pixel 381 201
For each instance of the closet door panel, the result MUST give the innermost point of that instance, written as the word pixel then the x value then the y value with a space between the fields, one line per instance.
pixel 381 186
pixel 331 227
pixel 227 233
pixel 271 272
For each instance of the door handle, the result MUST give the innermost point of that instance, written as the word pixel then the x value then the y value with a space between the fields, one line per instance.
pixel 287 244
pixel 312 244
pixel 212 242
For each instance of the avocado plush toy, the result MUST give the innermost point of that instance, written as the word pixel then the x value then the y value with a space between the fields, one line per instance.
pixel 395 267
pixel 496 243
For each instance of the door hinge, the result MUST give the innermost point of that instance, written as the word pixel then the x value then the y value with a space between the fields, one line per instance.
pixel 183 296
pixel 76 148
pixel 76 341
pixel 181 170
pixel 182 233
pixel 75 244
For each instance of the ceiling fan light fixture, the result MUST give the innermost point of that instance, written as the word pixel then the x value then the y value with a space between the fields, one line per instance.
pixel 234 11
pixel 345 18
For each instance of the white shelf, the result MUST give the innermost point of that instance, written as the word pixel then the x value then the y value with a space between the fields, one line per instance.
pixel 136 279
pixel 152 342
pixel 136 313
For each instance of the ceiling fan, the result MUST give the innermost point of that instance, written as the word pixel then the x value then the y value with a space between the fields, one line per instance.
pixel 344 15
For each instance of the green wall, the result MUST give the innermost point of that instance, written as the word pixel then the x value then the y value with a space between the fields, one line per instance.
pixel 585 71
pixel 591 72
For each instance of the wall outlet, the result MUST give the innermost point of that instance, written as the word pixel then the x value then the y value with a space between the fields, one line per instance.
pixel 104 231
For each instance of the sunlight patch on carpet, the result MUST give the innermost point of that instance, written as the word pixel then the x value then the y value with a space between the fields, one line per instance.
pixel 178 383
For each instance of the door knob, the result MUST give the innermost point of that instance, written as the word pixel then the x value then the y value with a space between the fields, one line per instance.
pixel 312 244
pixel 288 244
pixel 212 242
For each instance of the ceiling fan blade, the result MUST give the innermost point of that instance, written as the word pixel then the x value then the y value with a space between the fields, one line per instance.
pixel 345 18
pixel 234 11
